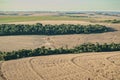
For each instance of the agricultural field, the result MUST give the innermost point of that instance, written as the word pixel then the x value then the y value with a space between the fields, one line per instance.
pixel 89 66
pixel 9 43
pixel 32 17
pixel 77 66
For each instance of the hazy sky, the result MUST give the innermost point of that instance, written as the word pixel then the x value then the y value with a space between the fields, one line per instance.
pixel 60 5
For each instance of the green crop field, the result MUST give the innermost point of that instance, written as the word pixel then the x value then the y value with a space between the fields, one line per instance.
pixel 7 19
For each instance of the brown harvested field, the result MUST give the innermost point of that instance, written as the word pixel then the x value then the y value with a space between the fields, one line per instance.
pixel 52 22
pixel 9 43
pixel 76 39
pixel 87 66
pixel 83 22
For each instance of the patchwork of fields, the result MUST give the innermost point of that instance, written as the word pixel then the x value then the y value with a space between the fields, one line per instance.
pixel 81 66
pixel 54 17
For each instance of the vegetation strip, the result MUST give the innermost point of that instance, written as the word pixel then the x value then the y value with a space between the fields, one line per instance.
pixel 86 47
pixel 112 21
pixel 39 29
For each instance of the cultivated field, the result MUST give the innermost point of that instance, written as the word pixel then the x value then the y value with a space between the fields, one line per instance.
pixel 10 19
pixel 89 66
pixel 9 43
pixel 37 17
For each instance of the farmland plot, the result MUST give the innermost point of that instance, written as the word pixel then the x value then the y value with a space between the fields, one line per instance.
pixel 89 66
pixel 9 43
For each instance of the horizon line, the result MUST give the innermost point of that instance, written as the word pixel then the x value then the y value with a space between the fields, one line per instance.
pixel 59 10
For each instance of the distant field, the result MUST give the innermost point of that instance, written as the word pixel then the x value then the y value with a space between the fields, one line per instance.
pixel 77 17
pixel 7 19
pixel 88 66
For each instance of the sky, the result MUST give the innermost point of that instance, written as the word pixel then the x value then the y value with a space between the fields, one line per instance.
pixel 59 5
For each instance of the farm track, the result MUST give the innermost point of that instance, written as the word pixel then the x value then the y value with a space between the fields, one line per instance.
pixel 95 75
pixel 19 71
pixel 87 66
pixel 34 70
pixel 116 61
pixel 77 60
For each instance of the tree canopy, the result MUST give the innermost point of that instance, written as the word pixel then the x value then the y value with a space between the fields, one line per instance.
pixel 86 47
pixel 40 29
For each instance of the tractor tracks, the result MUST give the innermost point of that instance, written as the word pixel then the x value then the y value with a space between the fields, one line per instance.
pixel 1 73
pixel 40 76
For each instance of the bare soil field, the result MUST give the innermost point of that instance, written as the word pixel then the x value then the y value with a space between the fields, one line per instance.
pixel 52 22
pixel 9 43
pixel 86 66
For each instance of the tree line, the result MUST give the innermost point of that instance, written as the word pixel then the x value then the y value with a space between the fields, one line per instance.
pixel 112 21
pixel 86 47
pixel 40 29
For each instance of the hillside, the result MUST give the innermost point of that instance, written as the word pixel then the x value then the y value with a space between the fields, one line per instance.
pixel 57 41
pixel 89 66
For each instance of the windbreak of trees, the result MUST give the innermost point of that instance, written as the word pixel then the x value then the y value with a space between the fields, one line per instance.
pixel 39 29
pixel 112 21
pixel 89 47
